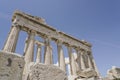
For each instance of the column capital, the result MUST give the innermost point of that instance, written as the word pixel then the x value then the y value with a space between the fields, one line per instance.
pixel 14 22
pixel 47 37
pixel 59 42
pixel 69 46
pixel 82 50
pixel 38 43
pixel 38 56
pixel 89 52
pixel 31 32
pixel 77 49
pixel 17 26
pixel 47 41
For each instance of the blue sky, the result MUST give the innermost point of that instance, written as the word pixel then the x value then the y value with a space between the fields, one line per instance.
pixel 96 21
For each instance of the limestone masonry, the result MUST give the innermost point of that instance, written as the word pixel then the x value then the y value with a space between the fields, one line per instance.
pixel 78 66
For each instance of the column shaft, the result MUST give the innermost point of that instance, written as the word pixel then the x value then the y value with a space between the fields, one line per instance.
pixel 48 59
pixel 11 41
pixel 70 56
pixel 38 58
pixel 94 65
pixel 73 65
pixel 82 61
pixel 29 55
pixel 61 58
pixel 26 45
pixel 78 59
pixel 51 55
pixel 90 62
pixel 30 48
pixel 86 59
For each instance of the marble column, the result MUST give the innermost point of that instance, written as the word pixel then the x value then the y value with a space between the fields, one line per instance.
pixel 69 71
pixel 61 58
pixel 73 65
pixel 90 61
pixel 78 58
pixel 48 58
pixel 11 41
pixel 26 45
pixel 51 55
pixel 86 59
pixel 70 56
pixel 38 57
pixel 94 65
pixel 29 55
pixel 83 66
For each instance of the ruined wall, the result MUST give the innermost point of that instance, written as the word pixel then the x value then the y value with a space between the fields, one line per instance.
pixel 11 66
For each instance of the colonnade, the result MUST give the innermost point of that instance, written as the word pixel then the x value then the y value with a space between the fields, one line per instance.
pixel 83 61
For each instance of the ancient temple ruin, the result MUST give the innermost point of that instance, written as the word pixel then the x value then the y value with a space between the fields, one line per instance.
pixel 22 67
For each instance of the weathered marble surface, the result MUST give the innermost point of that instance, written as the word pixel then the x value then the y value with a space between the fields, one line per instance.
pixel 113 73
pixel 78 78
pixel 88 73
pixel 45 72
pixel 11 66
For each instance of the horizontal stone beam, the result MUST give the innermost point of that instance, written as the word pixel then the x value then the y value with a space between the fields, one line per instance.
pixel 28 22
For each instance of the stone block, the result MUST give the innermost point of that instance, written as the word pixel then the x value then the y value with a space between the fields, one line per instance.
pixel 11 66
pixel 87 73
pixel 38 71
pixel 113 73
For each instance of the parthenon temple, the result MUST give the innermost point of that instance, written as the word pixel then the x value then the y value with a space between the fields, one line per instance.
pixel 13 66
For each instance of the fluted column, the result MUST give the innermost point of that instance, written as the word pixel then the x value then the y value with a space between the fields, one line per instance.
pixel 89 61
pixel 70 56
pixel 73 65
pixel 94 64
pixel 48 58
pixel 30 48
pixel 11 41
pixel 51 55
pixel 78 58
pixel 38 57
pixel 29 55
pixel 82 60
pixel 61 58
pixel 86 59
pixel 26 45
